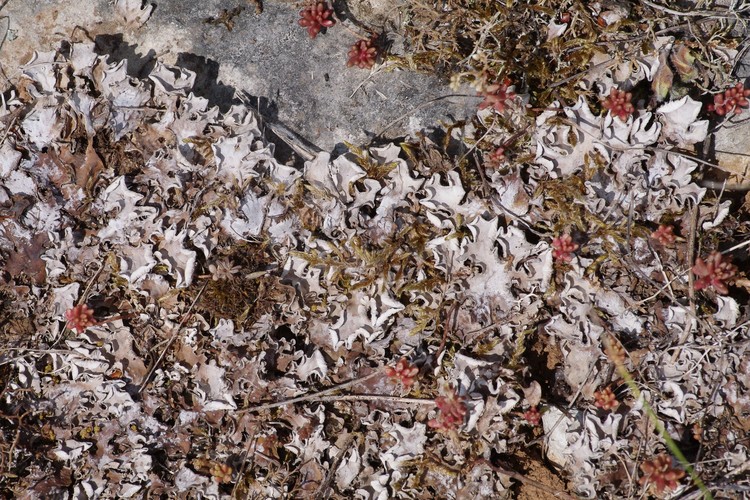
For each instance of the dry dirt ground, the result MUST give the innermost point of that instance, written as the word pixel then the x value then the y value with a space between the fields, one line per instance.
pixel 204 296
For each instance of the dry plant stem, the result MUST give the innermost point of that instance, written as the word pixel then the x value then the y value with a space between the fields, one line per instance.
pixel 420 106
pixel 695 13
pixel 241 472
pixel 525 480
pixel 172 339
pixel 7 130
pixel 81 301
pixel 654 419
pixel 375 397
pixel 736 247
pixel 446 328
pixel 326 484
pixel 313 396
pixel 691 284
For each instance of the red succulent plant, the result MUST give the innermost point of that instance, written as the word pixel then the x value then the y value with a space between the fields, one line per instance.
pixel 497 96
pixel 363 54
pixel 404 372
pixel 618 103
pixel 80 317
pixel 315 17
pixel 451 411
pixel 563 248
pixel 731 100
pixel 715 271
pixel 660 473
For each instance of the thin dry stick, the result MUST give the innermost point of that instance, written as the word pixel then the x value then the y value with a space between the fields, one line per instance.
pixel 695 13
pixel 525 480
pixel 82 300
pixel 241 472
pixel 691 284
pixel 420 106
pixel 171 340
pixel 312 396
pixel 326 485
pixel 7 130
pixel 376 397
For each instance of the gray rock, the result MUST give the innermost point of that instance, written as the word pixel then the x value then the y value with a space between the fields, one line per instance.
pixel 267 58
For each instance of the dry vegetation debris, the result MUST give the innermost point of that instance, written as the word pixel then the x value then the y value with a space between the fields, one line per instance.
pixel 183 315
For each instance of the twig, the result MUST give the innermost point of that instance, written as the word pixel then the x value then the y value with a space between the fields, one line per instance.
pixel 326 484
pixel 7 130
pixel 446 328
pixel 82 300
pixel 241 472
pixel 312 396
pixel 696 13
pixel 691 285
pixel 525 480
pixel 172 339
pixel 420 106
pixel 736 247
pixel 376 397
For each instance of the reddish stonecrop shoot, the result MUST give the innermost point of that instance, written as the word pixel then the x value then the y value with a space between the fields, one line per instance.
pixel 222 473
pixel 80 317
pixel 533 416
pixel 660 473
pixel 363 54
pixel 496 158
pixel 731 100
pixel 403 372
pixel 315 17
pixel 664 235
pixel 716 271
pixel 497 96
pixel 606 399
pixel 618 103
pixel 451 411
pixel 614 350
pixel 563 248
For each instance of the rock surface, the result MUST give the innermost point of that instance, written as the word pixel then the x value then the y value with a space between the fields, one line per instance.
pixel 300 82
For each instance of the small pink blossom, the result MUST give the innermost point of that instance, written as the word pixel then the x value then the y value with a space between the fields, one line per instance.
pixel 715 271
pixel 315 17
pixel 404 372
pixel 664 235
pixel 80 317
pixel 563 248
pixel 606 399
pixel 496 157
pixel 363 54
pixel 731 100
pixel 618 103
pixel 660 473
pixel 497 95
pixel 533 416
pixel 451 411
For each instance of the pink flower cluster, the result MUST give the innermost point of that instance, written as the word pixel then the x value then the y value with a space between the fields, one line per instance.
pixel 404 372
pixel 563 248
pixel 606 399
pixel 618 103
pixel 715 271
pixel 80 317
pixel 731 100
pixel 664 235
pixel 363 54
pixel 497 95
pixel 452 410
pixel 533 416
pixel 315 17
pixel 660 473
